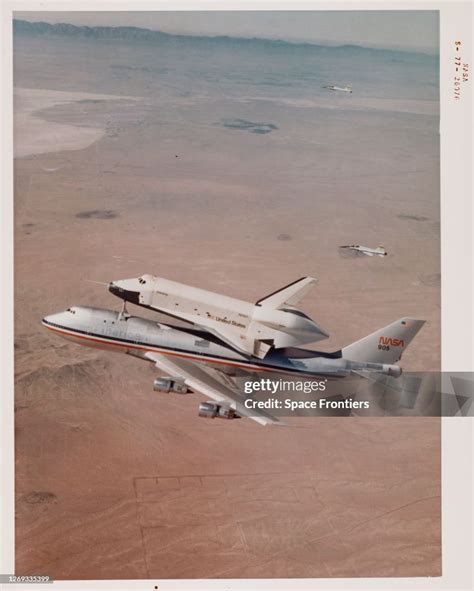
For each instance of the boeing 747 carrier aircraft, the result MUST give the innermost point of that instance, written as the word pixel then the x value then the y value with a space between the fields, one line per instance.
pixel 195 359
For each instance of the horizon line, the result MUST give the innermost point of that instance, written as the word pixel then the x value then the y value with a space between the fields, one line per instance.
pixel 434 52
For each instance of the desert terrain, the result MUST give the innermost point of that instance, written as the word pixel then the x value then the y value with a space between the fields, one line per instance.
pixel 144 160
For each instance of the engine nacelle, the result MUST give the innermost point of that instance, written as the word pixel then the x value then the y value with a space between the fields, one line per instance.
pixel 213 410
pixel 392 370
pixel 166 385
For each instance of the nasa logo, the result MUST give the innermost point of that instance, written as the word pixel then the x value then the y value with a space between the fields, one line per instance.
pixel 387 341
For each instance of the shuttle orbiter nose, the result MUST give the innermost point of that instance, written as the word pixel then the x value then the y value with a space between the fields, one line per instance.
pixel 123 290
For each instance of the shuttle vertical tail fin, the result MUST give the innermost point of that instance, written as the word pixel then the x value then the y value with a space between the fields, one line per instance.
pixel 289 295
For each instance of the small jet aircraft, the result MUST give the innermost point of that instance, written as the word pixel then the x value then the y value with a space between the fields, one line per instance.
pixel 339 88
pixel 254 329
pixel 197 361
pixel 370 252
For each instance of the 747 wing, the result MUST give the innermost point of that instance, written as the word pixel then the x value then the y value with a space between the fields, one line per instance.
pixel 213 383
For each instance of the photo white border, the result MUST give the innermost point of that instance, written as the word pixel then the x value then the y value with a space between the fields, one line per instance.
pixel 456 292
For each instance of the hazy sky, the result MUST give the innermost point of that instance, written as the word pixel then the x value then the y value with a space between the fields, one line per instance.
pixel 399 29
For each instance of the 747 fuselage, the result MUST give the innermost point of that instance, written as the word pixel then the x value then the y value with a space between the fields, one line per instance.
pixel 114 331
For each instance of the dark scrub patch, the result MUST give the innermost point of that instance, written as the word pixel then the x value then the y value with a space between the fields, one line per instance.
pixel 37 497
pixel 98 214
pixel 91 101
pixel 414 218
pixel 250 126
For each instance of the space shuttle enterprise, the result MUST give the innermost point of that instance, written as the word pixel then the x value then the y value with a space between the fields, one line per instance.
pixel 273 322
pixel 225 340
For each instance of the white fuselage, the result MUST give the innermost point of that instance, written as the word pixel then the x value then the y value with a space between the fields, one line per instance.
pixel 109 330
pixel 249 328
pixel 340 88
pixel 379 251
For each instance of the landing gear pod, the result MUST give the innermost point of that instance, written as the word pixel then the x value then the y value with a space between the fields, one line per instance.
pixel 212 410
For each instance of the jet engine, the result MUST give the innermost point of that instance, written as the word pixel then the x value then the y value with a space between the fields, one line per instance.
pixel 212 410
pixel 175 385
pixel 392 370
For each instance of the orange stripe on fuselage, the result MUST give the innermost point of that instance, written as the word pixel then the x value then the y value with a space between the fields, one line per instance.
pixel 171 353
